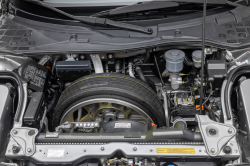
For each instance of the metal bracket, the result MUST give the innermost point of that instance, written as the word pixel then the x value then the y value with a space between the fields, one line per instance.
pixel 165 106
pixel 25 137
pixel 97 63
pixel 215 135
pixel 44 60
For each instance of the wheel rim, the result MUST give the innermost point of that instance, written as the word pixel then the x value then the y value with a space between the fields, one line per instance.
pixel 97 110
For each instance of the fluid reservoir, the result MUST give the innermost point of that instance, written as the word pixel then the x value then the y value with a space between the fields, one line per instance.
pixel 196 55
pixel 174 60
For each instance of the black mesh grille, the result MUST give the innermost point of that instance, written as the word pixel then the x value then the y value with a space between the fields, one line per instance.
pixel 5 39
pixel 232 41
pixel 10 33
pixel 240 30
pixel 20 32
pixel 16 39
pixel 23 48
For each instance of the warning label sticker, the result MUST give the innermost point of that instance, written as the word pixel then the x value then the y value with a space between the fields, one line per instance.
pixel 176 150
pixel 123 125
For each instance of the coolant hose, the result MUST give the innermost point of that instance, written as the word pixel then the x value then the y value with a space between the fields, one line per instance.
pixel 141 75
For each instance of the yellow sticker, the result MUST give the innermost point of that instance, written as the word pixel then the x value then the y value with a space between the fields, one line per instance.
pixel 176 150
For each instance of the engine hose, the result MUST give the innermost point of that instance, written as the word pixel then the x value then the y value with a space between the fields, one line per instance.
pixel 231 78
pixel 141 75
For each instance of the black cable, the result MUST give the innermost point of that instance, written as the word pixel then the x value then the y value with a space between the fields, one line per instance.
pixel 158 70
pixel 203 52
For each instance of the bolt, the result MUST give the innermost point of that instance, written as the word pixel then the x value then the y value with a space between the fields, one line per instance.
pixel 102 148
pixel 15 149
pixel 150 30
pixel 151 150
pixel 110 56
pixel 31 132
pixel 84 150
pixel 29 150
pixel 15 132
pixel 212 150
pixel 230 131
pixel 212 131
pixel 199 150
pixel 40 150
pixel 82 56
pixel 135 149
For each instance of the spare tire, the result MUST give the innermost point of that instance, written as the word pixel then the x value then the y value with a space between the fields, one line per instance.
pixel 112 86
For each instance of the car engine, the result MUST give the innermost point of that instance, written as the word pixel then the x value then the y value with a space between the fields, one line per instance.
pixel 163 105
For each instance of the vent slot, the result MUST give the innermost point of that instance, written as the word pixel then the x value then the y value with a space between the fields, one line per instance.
pixel 239 24
pixel 242 40
pixel 247 23
pixel 240 30
pixel 23 48
pixel 232 41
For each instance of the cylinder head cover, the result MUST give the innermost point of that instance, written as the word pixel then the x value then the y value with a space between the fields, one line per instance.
pixel 174 60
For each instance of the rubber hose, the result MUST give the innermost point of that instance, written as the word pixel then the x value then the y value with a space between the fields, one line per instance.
pixel 141 75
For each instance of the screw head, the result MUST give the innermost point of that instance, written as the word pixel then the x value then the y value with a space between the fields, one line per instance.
pixel 102 148
pixel 212 131
pixel 150 30
pixel 29 150
pixel 212 150
pixel 135 149
pixel 15 149
pixel 227 149
pixel 31 132
pixel 15 132
pixel 230 131
pixel 84 150
pixel 151 150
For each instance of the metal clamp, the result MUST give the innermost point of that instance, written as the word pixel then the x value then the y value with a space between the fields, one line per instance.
pixel 25 137
pixel 215 135
pixel 97 63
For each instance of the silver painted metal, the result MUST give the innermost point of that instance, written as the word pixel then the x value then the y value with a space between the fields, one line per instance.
pixel 74 153
pixel 27 142
pixel 44 60
pixel 97 63
pixel 215 143
pixel 19 122
pixel 10 62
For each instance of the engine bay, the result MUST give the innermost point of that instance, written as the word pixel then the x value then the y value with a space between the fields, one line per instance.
pixel 77 105
pixel 145 93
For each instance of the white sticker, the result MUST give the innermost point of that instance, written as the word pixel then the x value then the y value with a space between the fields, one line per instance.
pixel 55 153
pixel 123 125
pixel 51 135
